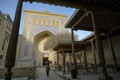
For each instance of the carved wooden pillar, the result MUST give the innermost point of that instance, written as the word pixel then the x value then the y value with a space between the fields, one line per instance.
pixel 93 51
pixel 81 70
pixel 73 49
pixel 11 52
pixel 57 61
pixel 85 61
pixel 74 56
pixel 63 62
pixel 113 52
pixel 99 49
pixel 81 58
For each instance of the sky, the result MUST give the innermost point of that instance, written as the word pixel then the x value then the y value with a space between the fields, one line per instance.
pixel 9 7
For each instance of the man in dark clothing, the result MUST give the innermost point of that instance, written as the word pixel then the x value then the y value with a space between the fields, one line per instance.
pixel 47 67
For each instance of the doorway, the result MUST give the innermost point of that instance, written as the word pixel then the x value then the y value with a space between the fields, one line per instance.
pixel 44 60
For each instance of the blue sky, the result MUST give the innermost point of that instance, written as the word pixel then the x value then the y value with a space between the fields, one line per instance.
pixel 9 6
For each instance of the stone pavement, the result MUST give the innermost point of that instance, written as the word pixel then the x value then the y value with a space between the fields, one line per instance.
pixel 23 78
pixel 115 75
pixel 41 75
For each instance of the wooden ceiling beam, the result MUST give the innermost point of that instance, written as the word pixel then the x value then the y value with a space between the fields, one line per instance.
pixel 68 50
pixel 80 19
pixel 78 5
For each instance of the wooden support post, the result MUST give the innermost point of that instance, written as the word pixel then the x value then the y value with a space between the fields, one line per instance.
pixel 99 49
pixel 74 57
pixel 63 62
pixel 57 61
pixel 85 61
pixel 93 51
pixel 94 55
pixel 11 52
pixel 73 49
pixel 81 70
pixel 80 58
pixel 112 51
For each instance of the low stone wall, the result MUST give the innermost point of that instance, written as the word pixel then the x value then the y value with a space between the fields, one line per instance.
pixel 20 72
pixel 2 72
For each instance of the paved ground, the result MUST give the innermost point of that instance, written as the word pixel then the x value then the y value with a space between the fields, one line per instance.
pixel 41 75
pixel 24 78
pixel 115 75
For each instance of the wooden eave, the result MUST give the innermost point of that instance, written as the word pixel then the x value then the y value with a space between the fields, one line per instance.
pixel 110 6
pixel 67 47
pixel 105 22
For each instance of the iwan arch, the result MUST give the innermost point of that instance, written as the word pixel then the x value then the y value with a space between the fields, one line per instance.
pixel 38 27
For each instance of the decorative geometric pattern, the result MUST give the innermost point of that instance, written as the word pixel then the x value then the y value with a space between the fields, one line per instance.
pixel 39 29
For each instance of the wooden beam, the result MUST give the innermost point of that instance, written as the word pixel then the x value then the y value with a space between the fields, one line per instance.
pixel 11 52
pixel 78 5
pixel 59 50
pixel 80 19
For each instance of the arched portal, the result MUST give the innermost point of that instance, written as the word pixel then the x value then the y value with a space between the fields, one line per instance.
pixel 40 54
pixel 37 28
pixel 33 22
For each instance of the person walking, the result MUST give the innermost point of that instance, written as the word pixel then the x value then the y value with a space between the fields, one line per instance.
pixel 47 67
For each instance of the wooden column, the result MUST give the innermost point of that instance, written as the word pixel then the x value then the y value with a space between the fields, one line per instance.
pixel 11 52
pixel 73 49
pixel 81 58
pixel 74 67
pixel 85 61
pixel 93 51
pixel 99 49
pixel 63 62
pixel 81 69
pixel 113 52
pixel 57 61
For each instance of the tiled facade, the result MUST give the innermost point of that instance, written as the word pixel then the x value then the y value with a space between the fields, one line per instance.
pixel 38 27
